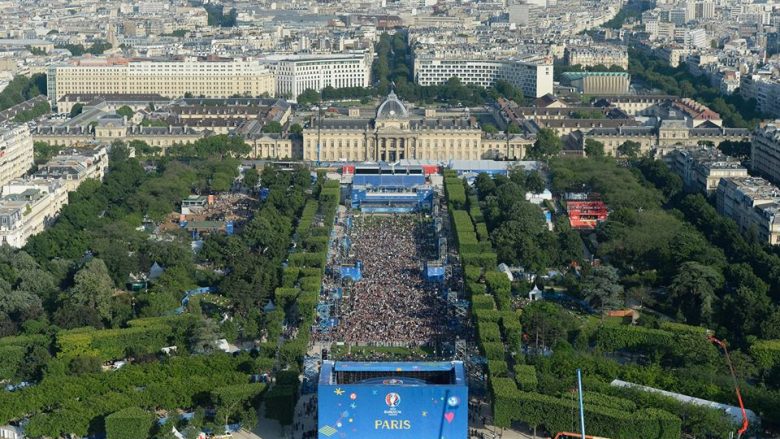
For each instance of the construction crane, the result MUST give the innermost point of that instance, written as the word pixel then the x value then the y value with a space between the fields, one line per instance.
pixel 745 422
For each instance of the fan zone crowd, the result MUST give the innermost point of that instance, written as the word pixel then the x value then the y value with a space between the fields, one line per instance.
pixel 392 304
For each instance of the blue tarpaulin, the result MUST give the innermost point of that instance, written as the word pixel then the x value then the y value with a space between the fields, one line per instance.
pixel 351 272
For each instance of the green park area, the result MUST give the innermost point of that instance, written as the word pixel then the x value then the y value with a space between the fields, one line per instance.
pixel 668 254
pixel 86 355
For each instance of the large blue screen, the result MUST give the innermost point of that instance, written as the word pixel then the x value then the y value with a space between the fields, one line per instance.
pixel 417 411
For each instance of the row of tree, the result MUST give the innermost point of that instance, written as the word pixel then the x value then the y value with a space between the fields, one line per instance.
pixel 733 108
pixel 518 228
pixel 391 68
pixel 22 88
pixel 96 48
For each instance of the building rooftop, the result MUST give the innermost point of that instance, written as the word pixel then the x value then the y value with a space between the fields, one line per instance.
pixel 759 190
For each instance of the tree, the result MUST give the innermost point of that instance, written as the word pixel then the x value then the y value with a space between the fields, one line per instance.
pixel 125 111
pixel 308 97
pixel 84 364
pixel 129 423
pixel 22 88
pixel 588 114
pixel 594 148
pixel 629 149
pixel 485 185
pixel 693 291
pixel 251 177
pixel 233 400
pixel 204 336
pixel 77 109
pixel 489 128
pixel 547 144
pixel 513 128
pixel 601 288
pixel 92 288
pixel 545 322
pixel 534 182
pixel 272 127
pixel 296 129
pixel 740 150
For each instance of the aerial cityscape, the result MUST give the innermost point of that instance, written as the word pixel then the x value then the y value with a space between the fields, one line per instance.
pixel 425 219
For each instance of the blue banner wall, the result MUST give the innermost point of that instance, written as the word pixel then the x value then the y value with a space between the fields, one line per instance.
pixel 394 407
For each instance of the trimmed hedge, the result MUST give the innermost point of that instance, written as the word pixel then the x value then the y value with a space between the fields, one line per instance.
pixel 498 368
pixel 684 329
pixel 25 341
pixel 112 344
pixel 472 273
pixel 485 260
pixel 130 423
pixel 307 304
pixel 309 260
pixel 316 243
pixel 482 232
pixel 290 277
pixel 487 315
pixel 512 330
pixel 615 337
pixel 474 288
pixel 499 286
pixel 555 415
pixel 488 332
pixel 476 215
pixel 494 350
pixel 310 272
pixel 284 297
pixel 599 399
pixel 311 283
pixel 525 377
pixel 476 246
pixel 505 399
pixel 482 301
pixel 456 193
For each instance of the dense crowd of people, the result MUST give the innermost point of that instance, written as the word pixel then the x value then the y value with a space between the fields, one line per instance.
pixel 392 304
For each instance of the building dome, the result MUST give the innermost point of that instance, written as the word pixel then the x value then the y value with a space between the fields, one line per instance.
pixel 391 108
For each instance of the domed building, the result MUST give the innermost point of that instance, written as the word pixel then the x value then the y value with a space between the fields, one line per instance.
pixel 398 132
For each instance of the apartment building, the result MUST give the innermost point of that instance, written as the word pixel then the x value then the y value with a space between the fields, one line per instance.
pixel 294 73
pixel 16 152
pixel 754 204
pixel 701 169
pixel 27 207
pixel 765 151
pixel 208 77
pixel 591 56
pixel 74 166
pixel 534 78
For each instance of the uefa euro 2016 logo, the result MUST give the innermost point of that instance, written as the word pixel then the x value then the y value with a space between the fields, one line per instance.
pixel 392 400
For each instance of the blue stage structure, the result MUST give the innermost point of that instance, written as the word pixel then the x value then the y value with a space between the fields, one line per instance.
pixel 388 180
pixel 390 201
pixel 377 400
pixel 434 272
pixel 352 272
